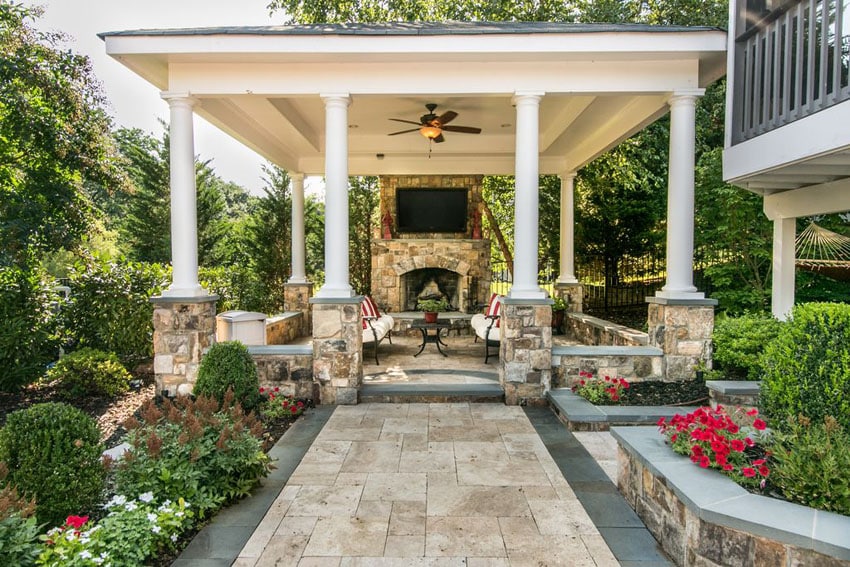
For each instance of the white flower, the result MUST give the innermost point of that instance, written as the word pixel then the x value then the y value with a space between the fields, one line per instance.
pixel 117 500
pixel 97 560
pixel 156 529
pixel 167 503
pixel 174 538
pixel 151 517
pixel 146 497
pixel 130 506
pixel 85 554
pixel 178 514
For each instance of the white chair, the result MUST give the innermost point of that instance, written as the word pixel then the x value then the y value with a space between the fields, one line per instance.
pixel 376 327
pixel 486 325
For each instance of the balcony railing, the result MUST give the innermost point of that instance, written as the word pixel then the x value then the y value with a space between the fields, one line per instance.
pixel 790 62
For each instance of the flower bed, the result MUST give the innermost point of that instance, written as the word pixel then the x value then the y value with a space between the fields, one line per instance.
pixel 699 515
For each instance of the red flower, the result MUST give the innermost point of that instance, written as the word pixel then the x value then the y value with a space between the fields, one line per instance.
pixel 76 521
pixel 262 390
pixel 696 450
pixel 764 471
pixel 759 462
pixel 661 422
pixel 748 472
pixel 759 424
pixel 704 462
pixel 732 428
pixel 737 445
pixel 277 389
pixel 293 409
pixel 752 412
pixel 300 404
pixel 728 467
pixel 674 437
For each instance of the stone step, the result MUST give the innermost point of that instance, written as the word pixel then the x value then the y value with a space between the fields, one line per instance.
pixel 431 393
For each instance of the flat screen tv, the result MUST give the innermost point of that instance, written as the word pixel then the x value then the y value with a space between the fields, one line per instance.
pixel 431 210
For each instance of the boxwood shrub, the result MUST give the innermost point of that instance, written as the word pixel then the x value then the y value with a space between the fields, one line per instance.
pixel 806 369
pixel 53 453
pixel 91 371
pixel 228 365
pixel 739 343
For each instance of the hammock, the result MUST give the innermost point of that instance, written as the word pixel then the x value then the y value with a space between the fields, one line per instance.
pixel 823 251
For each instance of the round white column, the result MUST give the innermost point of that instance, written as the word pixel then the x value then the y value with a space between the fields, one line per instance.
pixel 525 284
pixel 680 198
pixel 336 197
pixel 784 266
pixel 568 270
pixel 299 272
pixel 184 211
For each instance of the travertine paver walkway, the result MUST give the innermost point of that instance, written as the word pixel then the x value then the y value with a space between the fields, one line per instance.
pixel 427 485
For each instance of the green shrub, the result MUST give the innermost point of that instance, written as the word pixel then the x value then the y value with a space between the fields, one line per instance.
pixel 228 365
pixel 90 371
pixel 811 460
pixel 28 341
pixel 194 450
pixel 110 307
pixel 53 452
pixel 806 369
pixel 739 343
pixel 238 287
pixel 19 529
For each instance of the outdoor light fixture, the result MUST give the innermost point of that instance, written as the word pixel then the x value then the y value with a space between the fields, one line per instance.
pixel 430 132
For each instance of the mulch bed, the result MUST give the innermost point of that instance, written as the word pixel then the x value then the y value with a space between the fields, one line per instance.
pixel 689 393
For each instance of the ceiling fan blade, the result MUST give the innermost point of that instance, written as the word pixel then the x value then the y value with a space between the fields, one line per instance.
pixel 462 129
pixel 439 139
pixel 404 132
pixel 447 117
pixel 405 121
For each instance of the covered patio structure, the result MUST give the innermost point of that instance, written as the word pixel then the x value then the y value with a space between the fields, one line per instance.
pixel 316 99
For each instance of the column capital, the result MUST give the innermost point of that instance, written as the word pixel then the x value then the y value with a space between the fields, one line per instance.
pixel 296 177
pixel 567 175
pixel 177 98
pixel 685 96
pixel 332 99
pixel 527 97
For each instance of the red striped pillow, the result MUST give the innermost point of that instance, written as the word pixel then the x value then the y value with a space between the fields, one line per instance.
pixel 368 309
pixel 494 306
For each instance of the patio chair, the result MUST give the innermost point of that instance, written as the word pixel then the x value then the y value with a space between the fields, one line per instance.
pixel 376 327
pixel 486 325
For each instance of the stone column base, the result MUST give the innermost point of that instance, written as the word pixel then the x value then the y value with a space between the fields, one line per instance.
pixel 682 329
pixel 525 350
pixel 183 328
pixel 337 349
pixel 573 295
pixel 296 297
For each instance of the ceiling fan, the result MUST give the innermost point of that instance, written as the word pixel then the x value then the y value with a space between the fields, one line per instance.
pixel 432 126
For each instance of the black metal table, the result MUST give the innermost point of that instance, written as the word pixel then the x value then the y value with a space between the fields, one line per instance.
pixel 427 337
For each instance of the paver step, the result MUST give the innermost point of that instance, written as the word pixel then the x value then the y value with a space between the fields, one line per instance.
pixel 431 393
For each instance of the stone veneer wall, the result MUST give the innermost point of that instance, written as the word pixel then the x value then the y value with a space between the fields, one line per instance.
pixel 458 252
pixel 284 328
pixel 337 349
pixel 183 329
pixel 525 350
pixel 291 372
pixel 635 364
pixel 594 331
pixel 682 329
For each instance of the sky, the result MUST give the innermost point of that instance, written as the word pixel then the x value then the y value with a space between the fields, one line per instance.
pixel 136 103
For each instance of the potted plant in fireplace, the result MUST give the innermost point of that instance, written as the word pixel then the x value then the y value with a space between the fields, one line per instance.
pixel 432 307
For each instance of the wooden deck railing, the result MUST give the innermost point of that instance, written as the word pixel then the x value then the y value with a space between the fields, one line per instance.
pixel 790 62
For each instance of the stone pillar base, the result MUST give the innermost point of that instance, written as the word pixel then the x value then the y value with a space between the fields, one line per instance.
pixel 337 349
pixel 573 295
pixel 682 329
pixel 525 350
pixel 296 297
pixel 183 328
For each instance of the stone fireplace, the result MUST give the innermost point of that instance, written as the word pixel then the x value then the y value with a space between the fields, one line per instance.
pixel 407 266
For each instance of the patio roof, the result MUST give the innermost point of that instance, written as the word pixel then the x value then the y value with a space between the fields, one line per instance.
pixel 601 83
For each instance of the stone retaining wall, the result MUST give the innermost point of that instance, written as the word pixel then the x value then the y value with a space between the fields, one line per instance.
pixel 635 364
pixel 284 328
pixel 594 331
pixel 700 517
pixel 288 367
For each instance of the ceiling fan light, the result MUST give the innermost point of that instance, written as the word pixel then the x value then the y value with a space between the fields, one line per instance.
pixel 430 132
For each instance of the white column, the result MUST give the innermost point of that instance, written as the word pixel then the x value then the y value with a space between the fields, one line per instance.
pixel 784 258
pixel 336 197
pixel 184 211
pixel 527 196
pixel 568 270
pixel 299 272
pixel 680 198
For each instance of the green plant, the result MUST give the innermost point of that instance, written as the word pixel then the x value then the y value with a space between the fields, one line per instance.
pixel 558 304
pixel 806 369
pixel 600 391
pixel 229 366
pixel 739 343
pixel 90 371
pixel 273 405
pixel 810 464
pixel 194 449
pixel 110 308
pixel 132 532
pixel 432 305
pixel 18 526
pixel 53 452
pixel 28 334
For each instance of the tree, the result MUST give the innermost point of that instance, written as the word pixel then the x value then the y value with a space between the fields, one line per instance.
pixel 54 138
pixel 363 201
pixel 146 227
